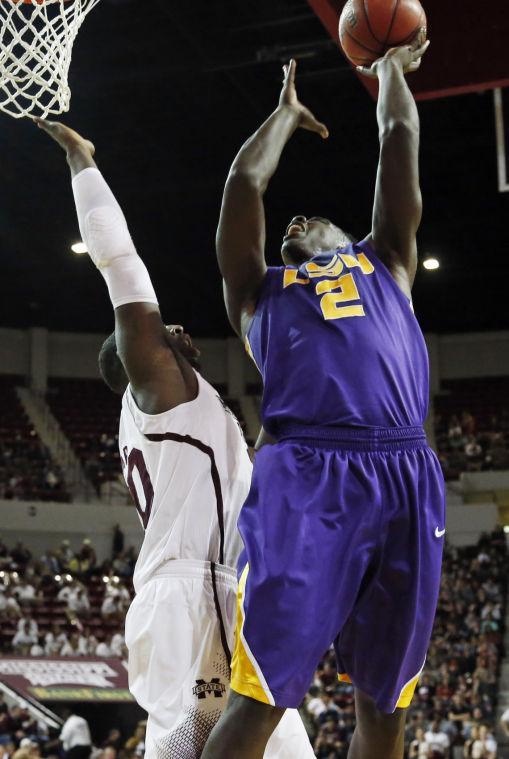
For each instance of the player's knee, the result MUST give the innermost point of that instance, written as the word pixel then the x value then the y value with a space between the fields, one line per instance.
pixel 249 711
pixel 243 730
pixel 369 718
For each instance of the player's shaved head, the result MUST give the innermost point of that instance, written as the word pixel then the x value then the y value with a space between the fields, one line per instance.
pixel 306 238
pixel 111 367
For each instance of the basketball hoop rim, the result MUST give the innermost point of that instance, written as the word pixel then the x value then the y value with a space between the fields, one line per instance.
pixel 36 2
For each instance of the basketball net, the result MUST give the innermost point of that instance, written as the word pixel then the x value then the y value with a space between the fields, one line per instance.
pixel 36 40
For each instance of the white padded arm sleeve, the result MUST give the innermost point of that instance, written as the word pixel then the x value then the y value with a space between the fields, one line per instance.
pixel 104 231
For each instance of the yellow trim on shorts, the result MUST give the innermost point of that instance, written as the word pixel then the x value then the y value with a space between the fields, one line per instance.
pixel 246 674
pixel 406 695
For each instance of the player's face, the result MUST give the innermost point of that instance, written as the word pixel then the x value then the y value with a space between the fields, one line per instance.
pixel 180 339
pixel 305 238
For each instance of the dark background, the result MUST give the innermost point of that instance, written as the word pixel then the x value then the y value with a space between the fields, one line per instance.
pixel 168 91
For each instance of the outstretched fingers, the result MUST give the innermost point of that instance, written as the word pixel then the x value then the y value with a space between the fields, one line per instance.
pixel 66 137
pixel 321 129
pixel 420 38
pixel 419 52
pixel 289 71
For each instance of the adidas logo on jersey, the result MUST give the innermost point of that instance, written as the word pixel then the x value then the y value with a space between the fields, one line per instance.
pixel 202 688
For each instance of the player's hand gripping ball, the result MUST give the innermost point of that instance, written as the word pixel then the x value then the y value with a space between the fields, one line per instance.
pixel 369 28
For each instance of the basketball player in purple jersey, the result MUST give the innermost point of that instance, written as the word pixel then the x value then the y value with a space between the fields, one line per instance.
pixel 343 527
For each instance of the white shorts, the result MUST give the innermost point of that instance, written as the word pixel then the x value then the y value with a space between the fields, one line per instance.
pixel 178 666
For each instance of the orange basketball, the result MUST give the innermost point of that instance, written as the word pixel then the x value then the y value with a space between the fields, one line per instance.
pixel 368 28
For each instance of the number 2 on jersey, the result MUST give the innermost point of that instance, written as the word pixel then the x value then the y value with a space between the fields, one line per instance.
pixel 330 303
pixel 336 290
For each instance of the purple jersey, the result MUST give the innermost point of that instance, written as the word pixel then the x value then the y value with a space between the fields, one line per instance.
pixel 338 345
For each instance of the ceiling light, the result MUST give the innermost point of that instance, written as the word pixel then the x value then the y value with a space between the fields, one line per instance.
pixel 431 263
pixel 79 248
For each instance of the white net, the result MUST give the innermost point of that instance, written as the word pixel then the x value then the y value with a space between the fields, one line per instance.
pixel 36 40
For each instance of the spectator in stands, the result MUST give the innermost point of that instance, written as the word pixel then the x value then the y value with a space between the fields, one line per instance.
pixel 31 747
pixel 118 646
pixel 22 753
pixel 72 646
pixel 419 747
pixel 66 590
pixel 4 554
pixel 51 478
pixel 78 603
pixel 136 743
pixel 459 712
pixel 108 753
pixel 87 642
pixel 132 557
pixel 122 565
pixel 437 739
pixel 28 620
pixel 20 555
pixel 112 609
pixel 468 423
pixel 75 736
pixel 329 741
pixel 25 593
pixel 315 705
pixel 455 433
pixel 118 541
pixel 469 743
pixel 50 562
pixel 474 453
pixel 37 648
pixel 7 749
pixel 9 607
pixel 114 740
pixel 103 649
pixel 23 640
pixel 484 746
pixel 118 590
pixel 109 441
pixel 64 554
pixel 85 561
pixel 14 487
pixel 54 640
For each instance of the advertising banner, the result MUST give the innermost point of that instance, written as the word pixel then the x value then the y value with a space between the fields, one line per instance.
pixel 67 679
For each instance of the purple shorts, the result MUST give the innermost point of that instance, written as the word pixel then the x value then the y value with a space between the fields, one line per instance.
pixel 343 532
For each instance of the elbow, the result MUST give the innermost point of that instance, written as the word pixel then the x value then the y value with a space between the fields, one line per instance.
pixel 249 177
pixel 398 128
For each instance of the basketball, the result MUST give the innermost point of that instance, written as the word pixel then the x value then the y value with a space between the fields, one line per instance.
pixel 368 28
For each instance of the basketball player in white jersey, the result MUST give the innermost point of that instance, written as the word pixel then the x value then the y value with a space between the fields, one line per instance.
pixel 186 464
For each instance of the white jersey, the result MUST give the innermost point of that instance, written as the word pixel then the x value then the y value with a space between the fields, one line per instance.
pixel 189 472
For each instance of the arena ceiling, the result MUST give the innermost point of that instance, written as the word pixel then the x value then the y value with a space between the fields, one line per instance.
pixel 168 91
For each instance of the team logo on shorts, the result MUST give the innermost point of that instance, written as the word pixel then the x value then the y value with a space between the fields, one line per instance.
pixel 202 688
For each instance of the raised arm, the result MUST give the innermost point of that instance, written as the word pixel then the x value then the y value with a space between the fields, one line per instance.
pixel 159 376
pixel 398 204
pixel 241 233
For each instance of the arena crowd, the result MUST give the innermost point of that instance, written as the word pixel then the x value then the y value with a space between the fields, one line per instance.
pixel 65 603
pixel 469 444
pixel 452 715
